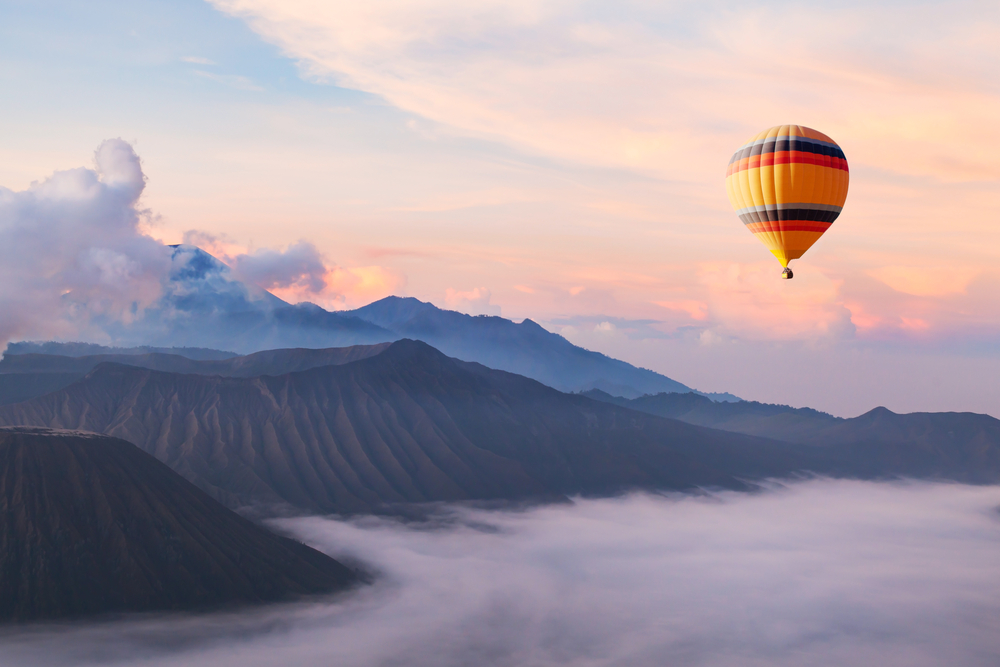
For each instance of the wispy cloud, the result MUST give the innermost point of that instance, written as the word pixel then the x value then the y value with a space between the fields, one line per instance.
pixel 231 80
pixel 605 325
pixel 669 90
pixel 648 82
pixel 300 272
pixel 475 301
pixel 197 60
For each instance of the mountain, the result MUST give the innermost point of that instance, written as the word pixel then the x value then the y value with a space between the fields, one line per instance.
pixel 17 387
pixel 408 424
pixel 205 306
pixel 953 445
pixel 269 362
pixel 963 446
pixel 766 420
pixel 91 349
pixel 526 348
pixel 25 376
pixel 92 525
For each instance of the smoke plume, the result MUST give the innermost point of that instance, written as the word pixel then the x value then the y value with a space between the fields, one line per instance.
pixel 71 249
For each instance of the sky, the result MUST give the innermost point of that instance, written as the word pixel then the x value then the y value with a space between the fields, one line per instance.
pixel 559 160
pixel 821 573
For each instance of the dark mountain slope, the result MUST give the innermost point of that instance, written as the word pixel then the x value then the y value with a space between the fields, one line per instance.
pixel 954 445
pixel 92 349
pixel 91 524
pixel 24 376
pixel 17 387
pixel 526 348
pixel 406 425
pixel 269 362
pixel 780 422
pixel 951 445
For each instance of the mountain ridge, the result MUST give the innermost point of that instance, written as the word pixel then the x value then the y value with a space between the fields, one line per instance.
pixel 26 376
pixel 952 445
pixel 205 306
pixel 92 525
pixel 406 425
pixel 526 349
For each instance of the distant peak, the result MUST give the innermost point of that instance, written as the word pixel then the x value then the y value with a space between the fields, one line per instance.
pixel 400 301
pixel 392 311
pixel 409 350
pixel 410 345
pixel 880 411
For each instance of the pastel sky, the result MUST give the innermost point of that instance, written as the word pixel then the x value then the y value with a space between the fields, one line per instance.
pixel 564 160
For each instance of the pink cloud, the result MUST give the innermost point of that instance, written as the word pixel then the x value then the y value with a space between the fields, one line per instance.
pixel 696 310
pixel 473 302
pixel 300 272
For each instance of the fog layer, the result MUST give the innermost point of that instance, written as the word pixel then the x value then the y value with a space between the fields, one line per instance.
pixel 816 573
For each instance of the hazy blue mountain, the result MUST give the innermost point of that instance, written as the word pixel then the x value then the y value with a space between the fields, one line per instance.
pixel 268 362
pixel 25 376
pixel 205 306
pixel 766 420
pixel 77 349
pixel 953 445
pixel 526 348
pixel 92 525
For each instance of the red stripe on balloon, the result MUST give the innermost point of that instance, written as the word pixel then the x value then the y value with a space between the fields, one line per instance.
pixel 789 226
pixel 786 157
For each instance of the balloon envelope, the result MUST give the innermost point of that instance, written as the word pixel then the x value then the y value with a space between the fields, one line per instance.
pixel 788 184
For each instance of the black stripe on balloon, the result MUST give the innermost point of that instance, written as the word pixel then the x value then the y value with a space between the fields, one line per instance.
pixel 800 144
pixel 789 214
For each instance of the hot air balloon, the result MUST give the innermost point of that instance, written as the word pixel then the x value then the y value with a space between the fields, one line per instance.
pixel 788 184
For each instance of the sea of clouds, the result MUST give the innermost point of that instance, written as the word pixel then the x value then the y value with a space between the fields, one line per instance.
pixel 814 573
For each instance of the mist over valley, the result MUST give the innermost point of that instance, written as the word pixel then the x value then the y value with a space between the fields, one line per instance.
pixel 823 572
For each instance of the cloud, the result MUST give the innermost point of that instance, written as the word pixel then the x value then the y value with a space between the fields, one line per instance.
pixel 667 74
pixel 197 60
pixel 751 301
pixel 231 80
pixel 664 92
pixel 360 285
pixel 696 310
pixel 301 273
pixel 298 266
pixel 471 302
pixel 76 263
pixel 72 249
pixel 925 280
pixel 605 326
pixel 821 573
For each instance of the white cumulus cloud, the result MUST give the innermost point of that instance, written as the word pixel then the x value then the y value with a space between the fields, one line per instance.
pixel 72 250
